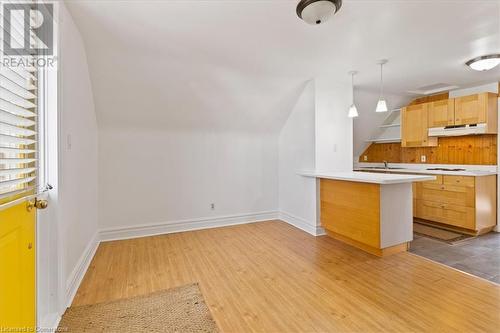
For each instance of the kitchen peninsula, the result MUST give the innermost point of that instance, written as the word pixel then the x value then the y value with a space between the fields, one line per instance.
pixel 371 211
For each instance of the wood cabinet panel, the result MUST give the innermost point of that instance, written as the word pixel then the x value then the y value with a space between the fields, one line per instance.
pixel 441 113
pixel 449 194
pixel 486 202
pixel 470 109
pixel 414 127
pixel 459 181
pixel 347 212
pixel 438 180
pixel 459 216
pixel 462 201
pixel 476 109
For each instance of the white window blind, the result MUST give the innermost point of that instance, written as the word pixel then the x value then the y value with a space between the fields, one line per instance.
pixel 18 125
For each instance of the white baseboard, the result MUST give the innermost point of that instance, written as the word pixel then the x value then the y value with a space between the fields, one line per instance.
pixel 302 224
pixel 74 280
pixel 145 230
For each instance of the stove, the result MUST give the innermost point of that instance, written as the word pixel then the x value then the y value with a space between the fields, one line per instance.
pixel 445 169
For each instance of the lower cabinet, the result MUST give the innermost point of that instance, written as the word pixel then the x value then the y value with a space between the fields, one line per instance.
pixel 459 201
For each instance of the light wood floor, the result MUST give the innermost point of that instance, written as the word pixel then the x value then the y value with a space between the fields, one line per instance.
pixel 272 277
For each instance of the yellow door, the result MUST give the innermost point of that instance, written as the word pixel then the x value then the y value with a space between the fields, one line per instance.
pixel 17 269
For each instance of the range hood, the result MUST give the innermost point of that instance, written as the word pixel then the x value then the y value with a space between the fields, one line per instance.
pixel 458 130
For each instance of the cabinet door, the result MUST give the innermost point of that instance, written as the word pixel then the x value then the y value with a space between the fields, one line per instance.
pixel 442 113
pixel 471 109
pixel 414 127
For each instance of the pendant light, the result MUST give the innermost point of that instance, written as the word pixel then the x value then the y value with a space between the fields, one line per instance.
pixel 382 104
pixel 316 12
pixel 353 110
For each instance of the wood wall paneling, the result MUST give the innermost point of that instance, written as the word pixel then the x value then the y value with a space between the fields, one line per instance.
pixel 467 150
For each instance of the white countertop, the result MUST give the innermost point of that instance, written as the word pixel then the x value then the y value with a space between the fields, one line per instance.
pixel 475 171
pixel 370 177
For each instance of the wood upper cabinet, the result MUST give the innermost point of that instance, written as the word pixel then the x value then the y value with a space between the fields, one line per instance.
pixel 414 127
pixel 441 113
pixel 477 109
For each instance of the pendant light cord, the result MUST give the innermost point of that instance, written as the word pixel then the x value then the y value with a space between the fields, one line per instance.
pixel 381 80
pixel 352 84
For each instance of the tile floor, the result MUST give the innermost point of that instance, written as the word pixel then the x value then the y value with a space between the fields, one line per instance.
pixel 479 256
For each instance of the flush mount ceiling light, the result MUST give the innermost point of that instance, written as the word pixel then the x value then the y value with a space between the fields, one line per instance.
pixel 353 110
pixel 382 104
pixel 316 12
pixel 484 63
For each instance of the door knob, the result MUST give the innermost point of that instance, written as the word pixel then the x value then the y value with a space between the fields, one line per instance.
pixel 38 204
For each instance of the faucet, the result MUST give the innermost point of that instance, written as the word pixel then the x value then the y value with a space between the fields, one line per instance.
pixel 386 164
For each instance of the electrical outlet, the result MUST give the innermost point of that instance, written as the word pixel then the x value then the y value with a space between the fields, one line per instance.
pixel 423 158
pixel 212 206
pixel 365 158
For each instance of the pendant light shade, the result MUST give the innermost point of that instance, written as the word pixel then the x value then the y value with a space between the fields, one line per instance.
pixel 353 110
pixel 382 104
pixel 316 12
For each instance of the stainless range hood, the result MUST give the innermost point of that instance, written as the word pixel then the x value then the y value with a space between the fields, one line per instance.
pixel 458 130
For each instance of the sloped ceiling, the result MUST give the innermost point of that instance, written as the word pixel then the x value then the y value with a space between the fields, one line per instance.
pixel 241 65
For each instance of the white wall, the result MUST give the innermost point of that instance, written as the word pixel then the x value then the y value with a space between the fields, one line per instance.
pixel 78 175
pixel 366 125
pixel 490 87
pixel 297 194
pixel 334 131
pixel 152 176
pixel 317 136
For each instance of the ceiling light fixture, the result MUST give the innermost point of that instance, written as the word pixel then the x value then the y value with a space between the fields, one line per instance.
pixel 353 110
pixel 484 63
pixel 382 104
pixel 316 12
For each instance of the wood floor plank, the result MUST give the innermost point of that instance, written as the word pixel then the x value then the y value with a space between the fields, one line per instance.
pixel 272 277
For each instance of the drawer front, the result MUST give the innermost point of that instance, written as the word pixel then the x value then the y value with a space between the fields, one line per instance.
pixel 458 216
pixel 443 187
pixel 438 180
pixel 459 181
pixel 449 194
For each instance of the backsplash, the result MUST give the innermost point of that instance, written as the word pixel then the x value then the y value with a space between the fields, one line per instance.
pixel 468 150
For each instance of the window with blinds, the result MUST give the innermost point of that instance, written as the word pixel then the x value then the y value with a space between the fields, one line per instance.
pixel 18 123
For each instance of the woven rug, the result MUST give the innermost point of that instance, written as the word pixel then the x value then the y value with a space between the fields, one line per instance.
pixel 180 309
pixel 443 235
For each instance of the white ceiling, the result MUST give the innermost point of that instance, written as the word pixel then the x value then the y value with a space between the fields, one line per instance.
pixel 240 65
